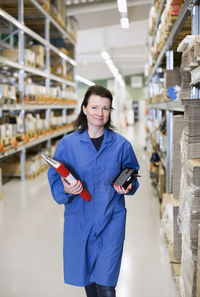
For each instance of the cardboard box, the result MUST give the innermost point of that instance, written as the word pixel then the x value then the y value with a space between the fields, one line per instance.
pixel 161 181
pixel 3 90
pixel 11 93
pixel 59 69
pixel 172 78
pixel 12 54
pixel 11 166
pixel 38 50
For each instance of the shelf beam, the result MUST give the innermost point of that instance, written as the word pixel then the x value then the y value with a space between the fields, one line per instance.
pixel 32 143
pixel 35 71
pixel 35 36
pixel 19 107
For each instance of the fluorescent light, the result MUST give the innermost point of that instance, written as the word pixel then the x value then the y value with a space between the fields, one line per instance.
pixel 105 55
pixel 124 23
pixel 115 72
pixel 122 6
pixel 84 80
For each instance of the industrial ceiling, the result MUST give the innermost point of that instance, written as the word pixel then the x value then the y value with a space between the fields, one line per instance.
pixel 98 23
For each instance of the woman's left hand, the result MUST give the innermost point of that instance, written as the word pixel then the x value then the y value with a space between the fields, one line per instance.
pixel 121 190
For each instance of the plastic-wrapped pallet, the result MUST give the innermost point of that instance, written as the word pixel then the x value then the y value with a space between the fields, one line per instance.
pixel 189 218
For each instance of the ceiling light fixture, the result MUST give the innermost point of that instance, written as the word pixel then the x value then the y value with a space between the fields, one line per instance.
pixel 124 22
pixel 122 5
pixel 115 72
pixel 84 80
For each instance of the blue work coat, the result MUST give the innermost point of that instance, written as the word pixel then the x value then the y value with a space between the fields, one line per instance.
pixel 93 231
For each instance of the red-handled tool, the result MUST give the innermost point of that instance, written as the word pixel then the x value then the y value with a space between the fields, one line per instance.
pixel 62 170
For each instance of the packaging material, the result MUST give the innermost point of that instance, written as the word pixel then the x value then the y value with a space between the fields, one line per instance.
pixel 189 212
pixel 191 131
pixel 187 270
pixel 177 237
pixel 152 19
pixel 3 91
pixel 12 54
pixel 8 91
pixel 167 223
pixel 61 8
pixel 60 69
pixel 71 26
pixel 175 267
pixel 161 181
pixel 169 226
pixel 178 125
pixel 39 51
pixel 11 166
pixel 172 78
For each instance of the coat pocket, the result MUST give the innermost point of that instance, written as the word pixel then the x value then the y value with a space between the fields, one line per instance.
pixel 73 206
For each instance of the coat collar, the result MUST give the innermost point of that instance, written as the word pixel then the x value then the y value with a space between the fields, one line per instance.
pixel 84 137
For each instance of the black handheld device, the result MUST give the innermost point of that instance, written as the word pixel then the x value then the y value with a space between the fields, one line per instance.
pixel 125 177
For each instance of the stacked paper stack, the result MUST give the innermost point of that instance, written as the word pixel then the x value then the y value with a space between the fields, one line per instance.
pixel 185 91
pixel 194 171
pixel 191 128
pixel 178 130
pixel 187 282
pixel 190 219
pixel 198 265
pixel 176 231
pixel 193 166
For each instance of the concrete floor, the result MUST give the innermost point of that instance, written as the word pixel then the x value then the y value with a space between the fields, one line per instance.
pixel 31 226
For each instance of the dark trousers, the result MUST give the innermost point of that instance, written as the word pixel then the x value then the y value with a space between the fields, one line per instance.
pixel 95 290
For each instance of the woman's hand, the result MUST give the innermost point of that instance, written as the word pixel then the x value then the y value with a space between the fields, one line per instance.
pixel 75 188
pixel 121 190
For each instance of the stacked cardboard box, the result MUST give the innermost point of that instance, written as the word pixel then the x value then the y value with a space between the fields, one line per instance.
pixel 7 92
pixel 187 270
pixel 39 55
pixel 185 91
pixel 161 181
pixel 189 207
pixel 61 7
pixel 178 130
pixel 12 54
pixel 191 128
pixel 176 231
pixel 172 78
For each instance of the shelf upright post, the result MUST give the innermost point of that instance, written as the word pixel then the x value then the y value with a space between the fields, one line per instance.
pixel 21 50
pixel 21 76
pixel 195 31
pixel 169 119
pixel 11 41
pixel 47 69
pixel 47 49
pixel 47 117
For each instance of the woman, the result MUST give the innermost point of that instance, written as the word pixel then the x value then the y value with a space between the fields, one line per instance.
pixel 93 231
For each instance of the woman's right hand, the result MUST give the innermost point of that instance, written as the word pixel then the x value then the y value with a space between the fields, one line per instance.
pixel 75 188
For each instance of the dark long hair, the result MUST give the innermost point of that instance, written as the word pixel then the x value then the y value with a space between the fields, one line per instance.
pixel 81 121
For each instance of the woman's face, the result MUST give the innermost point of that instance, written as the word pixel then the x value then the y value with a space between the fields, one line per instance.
pixel 97 111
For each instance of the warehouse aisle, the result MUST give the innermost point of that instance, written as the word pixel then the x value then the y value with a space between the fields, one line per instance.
pixel 31 226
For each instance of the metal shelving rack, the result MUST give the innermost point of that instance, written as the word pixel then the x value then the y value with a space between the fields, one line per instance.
pixel 22 69
pixel 171 107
